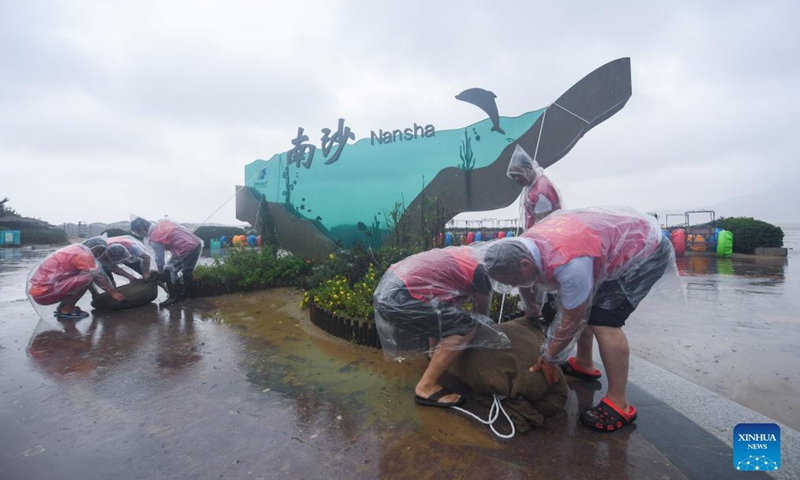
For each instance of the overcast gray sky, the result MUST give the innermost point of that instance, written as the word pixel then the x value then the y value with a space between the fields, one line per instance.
pixel 155 107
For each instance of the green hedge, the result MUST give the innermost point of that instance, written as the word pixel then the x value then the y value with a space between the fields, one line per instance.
pixel 353 263
pixel 749 233
pixel 250 269
pixel 42 236
pixel 207 233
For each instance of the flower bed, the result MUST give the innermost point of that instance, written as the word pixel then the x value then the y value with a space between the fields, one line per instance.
pixel 339 291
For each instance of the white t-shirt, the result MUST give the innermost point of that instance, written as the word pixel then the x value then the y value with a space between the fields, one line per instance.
pixel 543 205
pixel 575 278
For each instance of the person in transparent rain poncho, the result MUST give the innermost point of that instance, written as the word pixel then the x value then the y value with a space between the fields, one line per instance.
pixel 126 250
pixel 602 262
pixel 184 247
pixel 419 307
pixel 539 196
pixel 65 276
pixel 539 199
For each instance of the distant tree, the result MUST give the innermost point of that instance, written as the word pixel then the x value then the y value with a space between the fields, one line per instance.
pixel 749 233
pixel 4 210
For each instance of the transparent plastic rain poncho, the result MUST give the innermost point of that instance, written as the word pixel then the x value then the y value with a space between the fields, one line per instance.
pixel 168 237
pixel 99 241
pixel 114 255
pixel 139 252
pixel 64 271
pixel 539 197
pixel 598 257
pixel 420 301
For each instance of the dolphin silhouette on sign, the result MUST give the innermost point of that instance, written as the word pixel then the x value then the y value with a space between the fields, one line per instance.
pixel 484 100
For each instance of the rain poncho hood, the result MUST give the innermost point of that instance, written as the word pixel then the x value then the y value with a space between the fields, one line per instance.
pixel 136 248
pixel 140 226
pixel 115 253
pixel 96 242
pixel 539 196
pixel 523 165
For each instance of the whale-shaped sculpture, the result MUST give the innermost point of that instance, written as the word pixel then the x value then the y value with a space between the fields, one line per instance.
pixel 395 189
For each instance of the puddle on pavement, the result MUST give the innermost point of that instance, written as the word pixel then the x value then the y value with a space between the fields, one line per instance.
pixel 287 354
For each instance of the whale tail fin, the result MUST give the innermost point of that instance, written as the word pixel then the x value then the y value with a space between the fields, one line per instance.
pixel 497 128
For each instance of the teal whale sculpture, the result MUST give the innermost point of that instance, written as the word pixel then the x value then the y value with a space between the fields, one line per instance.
pixel 406 187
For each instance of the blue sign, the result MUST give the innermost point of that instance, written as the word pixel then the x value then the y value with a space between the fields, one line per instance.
pixel 757 447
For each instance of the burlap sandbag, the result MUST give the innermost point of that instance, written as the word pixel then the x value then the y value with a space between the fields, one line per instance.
pixel 505 372
pixel 136 293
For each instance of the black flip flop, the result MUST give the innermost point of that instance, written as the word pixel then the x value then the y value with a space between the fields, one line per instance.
pixel 607 417
pixel 433 399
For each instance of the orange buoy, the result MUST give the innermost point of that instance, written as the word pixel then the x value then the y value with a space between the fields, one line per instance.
pixel 698 244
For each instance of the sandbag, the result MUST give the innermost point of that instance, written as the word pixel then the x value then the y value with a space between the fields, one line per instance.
pixel 136 293
pixel 505 372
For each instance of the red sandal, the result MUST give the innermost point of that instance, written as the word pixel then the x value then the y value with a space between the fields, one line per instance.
pixel 571 368
pixel 608 417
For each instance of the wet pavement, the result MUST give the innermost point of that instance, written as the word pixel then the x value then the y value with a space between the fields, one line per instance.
pixel 738 334
pixel 243 386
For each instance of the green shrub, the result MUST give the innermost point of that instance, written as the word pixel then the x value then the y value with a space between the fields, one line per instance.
pixel 209 232
pixel 749 233
pixel 510 306
pixel 251 269
pixel 354 263
pixel 42 236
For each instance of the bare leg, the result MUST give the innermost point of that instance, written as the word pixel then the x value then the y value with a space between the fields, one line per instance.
pixel 615 353
pixel 442 359
pixel 68 303
pixel 584 356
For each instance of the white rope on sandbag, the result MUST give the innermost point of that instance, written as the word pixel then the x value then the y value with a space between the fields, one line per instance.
pixel 494 413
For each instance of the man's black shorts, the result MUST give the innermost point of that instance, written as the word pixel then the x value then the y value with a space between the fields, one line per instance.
pixel 411 315
pixel 620 297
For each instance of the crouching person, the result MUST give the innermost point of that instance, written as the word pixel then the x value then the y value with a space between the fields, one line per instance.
pixel 184 248
pixel 419 307
pixel 127 251
pixel 65 276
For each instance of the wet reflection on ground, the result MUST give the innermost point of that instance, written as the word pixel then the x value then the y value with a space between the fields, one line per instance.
pixel 738 334
pixel 243 386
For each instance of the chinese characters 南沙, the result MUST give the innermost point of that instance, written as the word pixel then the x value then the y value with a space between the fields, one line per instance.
pixel 303 153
